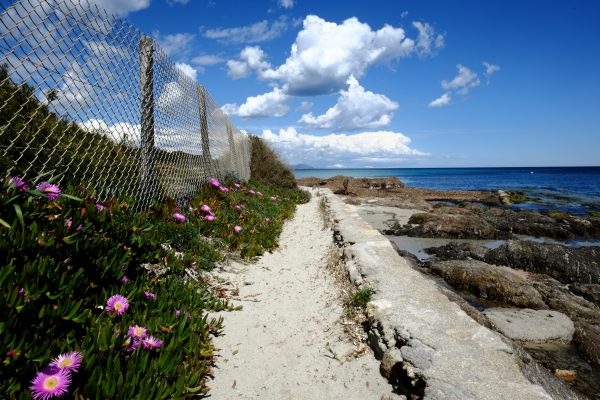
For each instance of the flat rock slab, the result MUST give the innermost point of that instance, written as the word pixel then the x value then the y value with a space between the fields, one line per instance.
pixel 526 325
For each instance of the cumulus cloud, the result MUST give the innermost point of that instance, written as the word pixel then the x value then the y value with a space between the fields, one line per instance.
pixel 121 7
pixel 259 32
pixel 251 58
pixel 441 101
pixel 347 149
pixel 428 41
pixel 356 108
pixel 207 59
pixel 271 104
pixel 286 3
pixel 490 69
pixel 187 69
pixel 121 132
pixel 177 43
pixel 325 54
pixel 463 82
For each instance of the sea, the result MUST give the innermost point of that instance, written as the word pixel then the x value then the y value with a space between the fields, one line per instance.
pixel 572 189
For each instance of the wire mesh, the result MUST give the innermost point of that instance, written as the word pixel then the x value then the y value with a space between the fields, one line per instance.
pixel 85 95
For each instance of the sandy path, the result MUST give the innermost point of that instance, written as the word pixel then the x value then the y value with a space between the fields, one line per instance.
pixel 282 344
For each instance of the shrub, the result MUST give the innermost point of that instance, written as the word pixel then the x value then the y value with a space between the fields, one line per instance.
pixel 361 297
pixel 267 168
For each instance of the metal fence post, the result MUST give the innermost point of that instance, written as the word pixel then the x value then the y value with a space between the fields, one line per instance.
pixel 208 164
pixel 147 116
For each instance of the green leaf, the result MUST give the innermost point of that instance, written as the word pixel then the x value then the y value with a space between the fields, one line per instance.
pixel 19 215
pixel 4 223
pixel 71 238
pixel 68 196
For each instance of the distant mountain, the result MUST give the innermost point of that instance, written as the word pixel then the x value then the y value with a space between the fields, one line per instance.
pixel 302 166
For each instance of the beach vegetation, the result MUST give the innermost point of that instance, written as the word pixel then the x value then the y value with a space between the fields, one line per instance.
pixel 361 297
pixel 519 198
pixel 594 213
pixel 266 166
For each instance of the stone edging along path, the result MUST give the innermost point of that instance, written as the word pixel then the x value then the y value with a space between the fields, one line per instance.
pixel 427 344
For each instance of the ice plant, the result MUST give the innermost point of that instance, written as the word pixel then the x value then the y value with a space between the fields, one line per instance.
pixel 124 279
pixel 117 304
pixel 51 190
pixel 215 183
pixel 209 218
pixel 18 182
pixel 151 343
pixel 47 385
pixel 177 313
pixel 205 209
pixel 224 189
pixel 68 223
pixel 131 345
pixel 237 229
pixel 179 217
pixel 68 361
pixel 137 332
pixel 22 292
pixel 150 295
pixel 100 207
pixel 251 191
pixel 237 185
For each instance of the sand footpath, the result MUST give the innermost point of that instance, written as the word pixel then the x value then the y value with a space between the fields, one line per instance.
pixel 288 342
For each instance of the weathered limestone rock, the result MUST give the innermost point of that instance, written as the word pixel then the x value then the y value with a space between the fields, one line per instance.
pixel 527 325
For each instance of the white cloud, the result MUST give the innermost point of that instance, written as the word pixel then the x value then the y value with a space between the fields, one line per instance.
pixel 428 40
pixel 207 59
pixel 259 32
pixel 463 82
pixel 187 69
pixel 325 54
pixel 356 108
pixel 177 43
pixel 441 101
pixel 354 150
pixel 286 3
pixel 305 105
pixel 490 69
pixel 404 14
pixel 121 7
pixel 173 98
pixel 251 58
pixel 182 2
pixel 271 104
pixel 121 132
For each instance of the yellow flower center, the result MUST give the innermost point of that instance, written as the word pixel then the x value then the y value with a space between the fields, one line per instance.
pixel 139 331
pixel 65 362
pixel 51 383
pixel 118 305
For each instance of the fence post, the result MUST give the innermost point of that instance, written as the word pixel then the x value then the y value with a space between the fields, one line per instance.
pixel 208 164
pixel 147 116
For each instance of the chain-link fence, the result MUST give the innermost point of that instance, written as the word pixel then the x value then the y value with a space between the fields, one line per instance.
pixel 88 96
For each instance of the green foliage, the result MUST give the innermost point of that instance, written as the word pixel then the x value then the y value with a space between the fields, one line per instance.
pixel 361 297
pixel 594 213
pixel 518 198
pixel 267 168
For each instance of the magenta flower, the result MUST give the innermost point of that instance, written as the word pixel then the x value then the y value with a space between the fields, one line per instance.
pixel 150 295
pixel 274 198
pixel 237 229
pixel 177 313
pixel 179 217
pixel 47 385
pixel 117 304
pixel 215 182
pixel 68 361
pixel 124 280
pixel 237 185
pixel 68 223
pixel 251 192
pixel 131 344
pixel 238 207
pixel 18 182
pixel 79 227
pixel 224 189
pixel 209 218
pixel 21 292
pixel 100 207
pixel 51 190
pixel 151 343
pixel 137 332
pixel 205 209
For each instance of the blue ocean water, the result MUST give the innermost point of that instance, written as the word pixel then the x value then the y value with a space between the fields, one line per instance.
pixel 575 189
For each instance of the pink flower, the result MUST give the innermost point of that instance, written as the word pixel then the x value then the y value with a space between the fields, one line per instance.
pixel 237 229
pixel 205 209
pixel 79 227
pixel 51 190
pixel 237 207
pixel 21 292
pixel 251 192
pixel 179 217
pixel 274 198
pixel 47 385
pixel 124 280
pixel 68 223
pixel 151 343
pixel 137 332
pixel 267 219
pixel 150 295
pixel 177 313
pixel 117 304
pixel 224 189
pixel 209 217
pixel 100 207
pixel 215 182
pixel 131 344
pixel 237 185
pixel 68 361
pixel 18 182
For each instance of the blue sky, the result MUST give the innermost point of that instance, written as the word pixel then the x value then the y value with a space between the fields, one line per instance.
pixel 395 83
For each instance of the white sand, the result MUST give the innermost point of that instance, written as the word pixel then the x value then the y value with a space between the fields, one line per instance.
pixel 284 342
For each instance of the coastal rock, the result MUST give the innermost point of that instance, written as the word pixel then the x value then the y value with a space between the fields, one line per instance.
pixel 590 292
pixel 458 251
pixel 587 338
pixel 568 265
pixel 500 284
pixel 450 222
pixel 536 326
pixel 559 298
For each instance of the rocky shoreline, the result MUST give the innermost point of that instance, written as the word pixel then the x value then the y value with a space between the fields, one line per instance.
pixel 544 297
